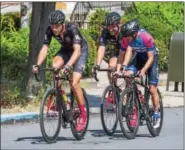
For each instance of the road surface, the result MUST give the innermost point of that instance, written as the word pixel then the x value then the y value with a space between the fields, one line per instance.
pixel 28 136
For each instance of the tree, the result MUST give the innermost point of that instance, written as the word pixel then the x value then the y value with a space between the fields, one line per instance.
pixel 39 23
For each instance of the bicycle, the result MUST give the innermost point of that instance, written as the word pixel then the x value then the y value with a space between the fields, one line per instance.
pixel 113 92
pixel 59 109
pixel 141 108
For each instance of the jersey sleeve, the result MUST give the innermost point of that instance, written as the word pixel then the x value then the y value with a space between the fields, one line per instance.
pixel 124 44
pixel 148 41
pixel 48 36
pixel 103 38
pixel 77 37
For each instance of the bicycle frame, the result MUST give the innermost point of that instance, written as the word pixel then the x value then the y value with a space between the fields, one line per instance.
pixel 56 79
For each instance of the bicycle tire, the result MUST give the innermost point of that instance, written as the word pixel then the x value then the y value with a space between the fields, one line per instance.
pixel 156 132
pixel 114 127
pixel 44 134
pixel 76 134
pixel 132 133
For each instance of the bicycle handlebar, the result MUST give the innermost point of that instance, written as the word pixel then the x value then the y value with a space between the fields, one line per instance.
pixel 118 76
pixel 107 69
pixel 45 69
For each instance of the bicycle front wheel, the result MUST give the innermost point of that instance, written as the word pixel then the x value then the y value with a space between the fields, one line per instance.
pixel 50 112
pixel 129 115
pixel 109 110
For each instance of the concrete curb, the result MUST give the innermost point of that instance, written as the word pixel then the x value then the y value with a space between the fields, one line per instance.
pixel 34 115
pixel 19 116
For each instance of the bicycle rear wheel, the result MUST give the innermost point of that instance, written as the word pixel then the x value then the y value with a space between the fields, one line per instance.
pixel 53 112
pixel 150 123
pixel 129 109
pixel 79 135
pixel 110 105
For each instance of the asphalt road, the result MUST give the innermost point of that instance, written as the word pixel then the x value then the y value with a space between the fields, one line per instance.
pixel 28 136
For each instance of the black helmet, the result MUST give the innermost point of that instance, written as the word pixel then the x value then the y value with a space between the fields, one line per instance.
pixel 112 18
pixel 56 17
pixel 129 28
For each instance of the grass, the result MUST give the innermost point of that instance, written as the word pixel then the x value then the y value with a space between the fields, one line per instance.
pixel 32 106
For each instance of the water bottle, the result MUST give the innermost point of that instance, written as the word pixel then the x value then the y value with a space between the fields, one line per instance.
pixel 66 99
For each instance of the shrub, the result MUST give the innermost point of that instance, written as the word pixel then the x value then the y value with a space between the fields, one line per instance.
pixel 10 22
pixel 91 52
pixel 14 54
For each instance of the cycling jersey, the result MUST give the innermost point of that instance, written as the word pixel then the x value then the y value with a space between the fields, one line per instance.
pixel 142 44
pixel 71 36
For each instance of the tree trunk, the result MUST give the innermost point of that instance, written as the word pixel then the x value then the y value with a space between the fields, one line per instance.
pixel 39 23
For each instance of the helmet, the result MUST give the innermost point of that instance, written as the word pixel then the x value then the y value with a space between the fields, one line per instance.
pixel 56 17
pixel 129 28
pixel 112 18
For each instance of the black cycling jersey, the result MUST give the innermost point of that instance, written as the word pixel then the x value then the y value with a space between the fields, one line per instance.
pixel 108 39
pixel 71 36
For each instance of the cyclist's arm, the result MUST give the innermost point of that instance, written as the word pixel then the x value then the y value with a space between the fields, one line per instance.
pixel 149 61
pixel 44 50
pixel 101 48
pixel 42 54
pixel 128 56
pixel 77 41
pixel 123 46
pixel 120 59
pixel 126 52
pixel 149 43
pixel 76 54
pixel 100 54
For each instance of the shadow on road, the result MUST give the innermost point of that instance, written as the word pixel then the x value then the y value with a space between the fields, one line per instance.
pixel 94 101
pixel 117 135
pixel 40 140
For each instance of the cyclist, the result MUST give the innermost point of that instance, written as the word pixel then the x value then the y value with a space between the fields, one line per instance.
pixel 110 36
pixel 139 42
pixel 73 51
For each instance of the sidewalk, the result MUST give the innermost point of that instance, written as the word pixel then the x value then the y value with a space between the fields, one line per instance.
pixel 95 90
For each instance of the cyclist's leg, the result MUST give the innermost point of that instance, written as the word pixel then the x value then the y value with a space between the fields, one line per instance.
pixel 59 60
pixel 153 82
pixel 132 68
pixel 75 84
pixel 112 64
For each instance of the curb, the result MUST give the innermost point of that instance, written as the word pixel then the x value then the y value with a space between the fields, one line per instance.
pixel 35 115
pixel 19 116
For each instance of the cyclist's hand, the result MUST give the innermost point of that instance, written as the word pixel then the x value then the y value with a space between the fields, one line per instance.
pixel 35 69
pixel 117 72
pixel 95 68
pixel 142 72
pixel 66 70
pixel 123 69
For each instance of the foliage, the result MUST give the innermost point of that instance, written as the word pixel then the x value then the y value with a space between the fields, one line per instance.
pixel 169 13
pixel 14 54
pixel 91 52
pixel 10 22
pixel 97 20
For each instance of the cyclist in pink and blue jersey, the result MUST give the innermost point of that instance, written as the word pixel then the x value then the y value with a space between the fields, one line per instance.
pixel 141 54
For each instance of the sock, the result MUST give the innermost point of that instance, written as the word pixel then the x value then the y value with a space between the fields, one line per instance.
pixel 82 109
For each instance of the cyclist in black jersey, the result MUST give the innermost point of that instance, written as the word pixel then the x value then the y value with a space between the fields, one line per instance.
pixel 73 52
pixel 110 37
